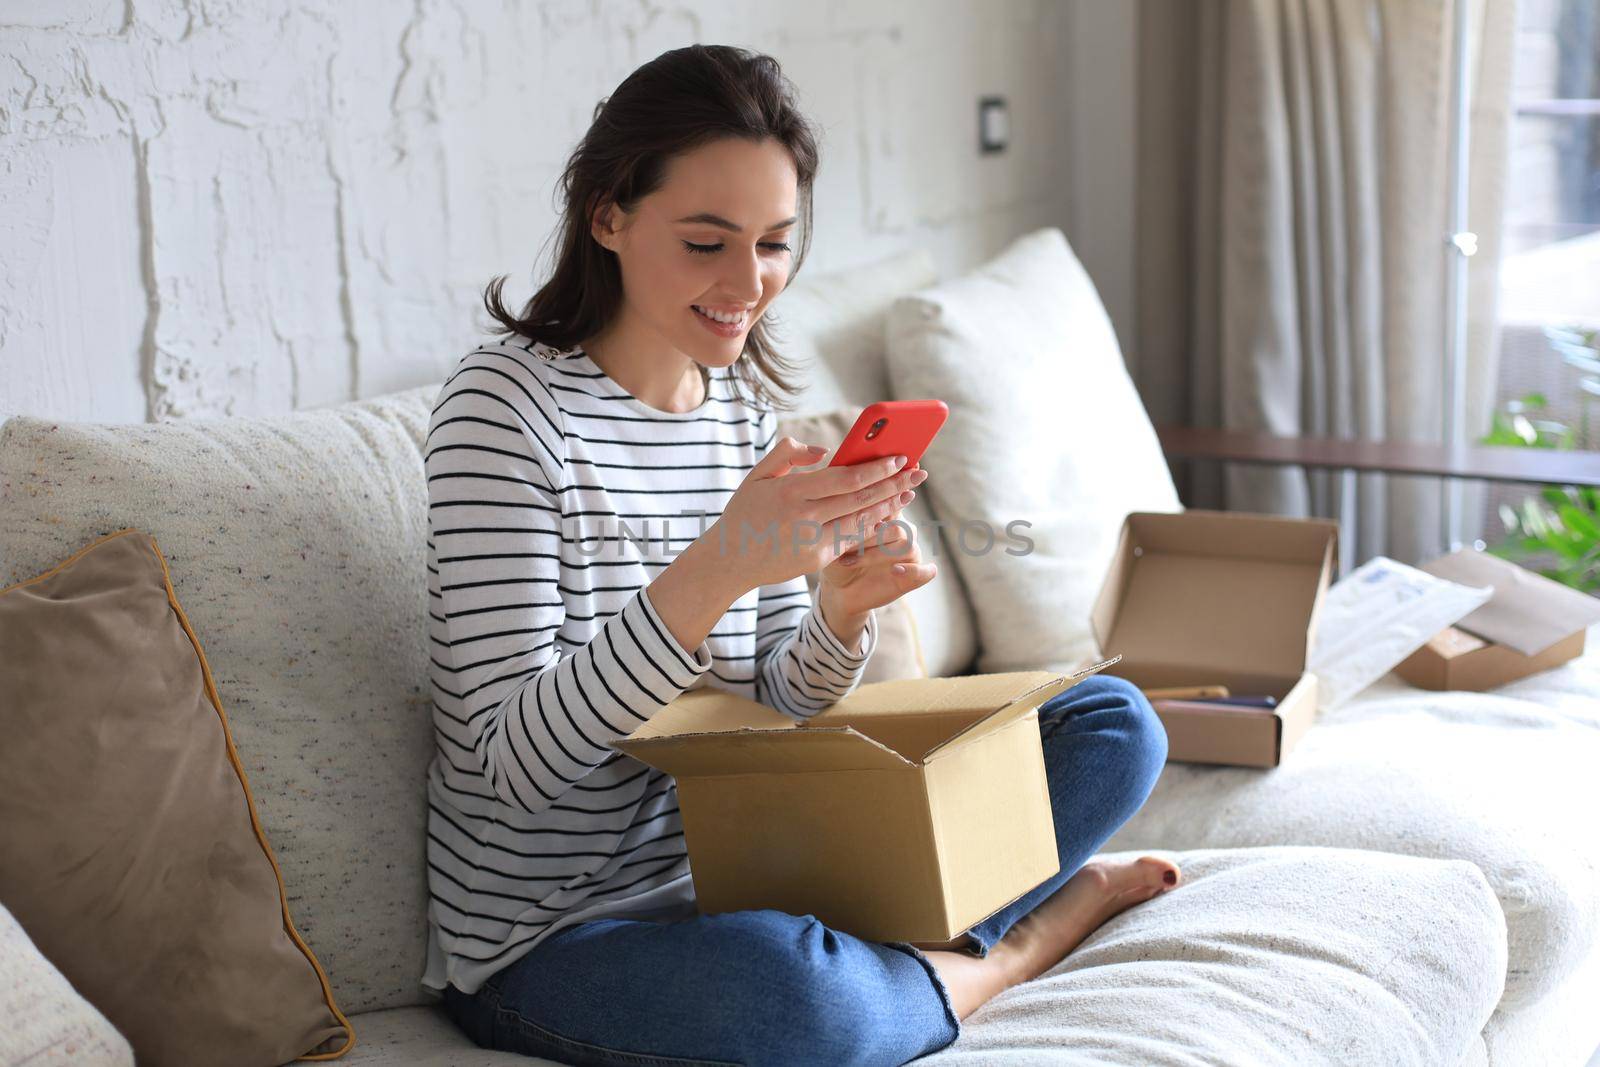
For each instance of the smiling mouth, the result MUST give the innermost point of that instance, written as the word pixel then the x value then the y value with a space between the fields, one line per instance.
pixel 720 321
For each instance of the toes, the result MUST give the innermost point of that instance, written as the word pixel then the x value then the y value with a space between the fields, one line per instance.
pixel 1162 873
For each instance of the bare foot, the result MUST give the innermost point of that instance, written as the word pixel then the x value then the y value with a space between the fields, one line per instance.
pixel 1042 938
pixel 1099 890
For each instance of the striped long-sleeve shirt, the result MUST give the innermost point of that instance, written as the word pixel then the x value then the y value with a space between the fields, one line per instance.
pixel 554 499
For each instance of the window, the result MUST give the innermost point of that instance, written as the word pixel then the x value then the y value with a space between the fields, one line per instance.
pixel 1550 269
pixel 1549 306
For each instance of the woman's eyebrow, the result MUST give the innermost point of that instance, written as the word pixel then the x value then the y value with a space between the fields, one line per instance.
pixel 718 220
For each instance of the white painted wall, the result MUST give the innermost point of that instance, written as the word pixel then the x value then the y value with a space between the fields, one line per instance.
pixel 216 208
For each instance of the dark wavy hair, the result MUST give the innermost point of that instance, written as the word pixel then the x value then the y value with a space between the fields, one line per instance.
pixel 673 104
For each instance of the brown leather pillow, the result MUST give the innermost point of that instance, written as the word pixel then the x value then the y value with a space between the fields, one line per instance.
pixel 899 650
pixel 130 850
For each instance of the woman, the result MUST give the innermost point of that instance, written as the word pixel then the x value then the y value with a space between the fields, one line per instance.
pixel 575 588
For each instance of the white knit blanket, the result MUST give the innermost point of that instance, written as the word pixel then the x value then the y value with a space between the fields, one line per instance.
pixel 1267 956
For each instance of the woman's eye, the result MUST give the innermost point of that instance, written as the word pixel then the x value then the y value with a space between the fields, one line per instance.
pixel 776 246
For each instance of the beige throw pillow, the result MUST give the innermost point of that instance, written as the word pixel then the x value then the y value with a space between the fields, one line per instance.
pixel 130 849
pixel 899 651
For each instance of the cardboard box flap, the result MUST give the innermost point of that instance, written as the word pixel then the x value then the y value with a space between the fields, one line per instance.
pixel 1017 707
pixel 1528 612
pixel 975 693
pixel 712 710
pixel 725 752
pixel 912 716
pixel 1191 590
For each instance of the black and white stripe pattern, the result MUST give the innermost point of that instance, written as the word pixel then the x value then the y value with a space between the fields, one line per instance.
pixel 545 646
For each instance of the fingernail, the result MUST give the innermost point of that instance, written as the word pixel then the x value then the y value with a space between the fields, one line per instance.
pixel 1170 877
pixel 899 461
pixel 905 497
pixel 816 448
pixel 899 568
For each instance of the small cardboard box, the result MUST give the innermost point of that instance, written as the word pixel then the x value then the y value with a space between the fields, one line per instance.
pixel 1530 624
pixel 908 811
pixel 1220 598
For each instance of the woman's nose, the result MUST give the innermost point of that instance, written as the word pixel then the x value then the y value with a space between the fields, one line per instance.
pixel 743 282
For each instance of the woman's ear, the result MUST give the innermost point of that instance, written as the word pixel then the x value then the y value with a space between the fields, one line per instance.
pixel 602 225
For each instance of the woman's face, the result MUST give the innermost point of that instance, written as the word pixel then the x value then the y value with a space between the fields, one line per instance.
pixel 713 238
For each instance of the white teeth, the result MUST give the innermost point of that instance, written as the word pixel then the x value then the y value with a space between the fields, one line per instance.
pixel 719 316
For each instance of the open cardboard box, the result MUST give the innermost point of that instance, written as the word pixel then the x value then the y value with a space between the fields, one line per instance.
pixel 1530 624
pixel 1220 598
pixel 908 811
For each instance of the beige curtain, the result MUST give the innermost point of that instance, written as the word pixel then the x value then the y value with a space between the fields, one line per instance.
pixel 1294 171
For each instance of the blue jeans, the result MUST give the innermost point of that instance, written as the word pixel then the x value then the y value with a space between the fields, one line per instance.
pixel 766 987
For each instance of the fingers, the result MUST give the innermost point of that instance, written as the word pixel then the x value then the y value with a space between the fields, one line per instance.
pixel 873 502
pixel 836 481
pixel 879 555
pixel 903 567
pixel 786 454
pixel 912 575
pixel 892 536
pixel 890 533
pixel 848 518
pixel 919 568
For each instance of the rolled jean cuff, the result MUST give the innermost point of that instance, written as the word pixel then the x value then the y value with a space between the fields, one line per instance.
pixel 938 983
pixel 978 946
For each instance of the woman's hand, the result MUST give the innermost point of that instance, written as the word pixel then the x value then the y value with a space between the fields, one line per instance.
pixel 781 523
pixel 879 572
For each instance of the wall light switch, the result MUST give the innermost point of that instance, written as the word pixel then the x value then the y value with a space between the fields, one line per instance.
pixel 994 124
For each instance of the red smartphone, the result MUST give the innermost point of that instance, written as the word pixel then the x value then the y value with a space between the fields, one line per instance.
pixel 892 428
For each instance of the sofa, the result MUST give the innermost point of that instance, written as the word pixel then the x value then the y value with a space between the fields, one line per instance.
pixel 1417 882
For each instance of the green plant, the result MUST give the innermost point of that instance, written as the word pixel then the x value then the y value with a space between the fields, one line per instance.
pixel 1562 525
pixel 1579 348
pixel 1512 426
pixel 1559 528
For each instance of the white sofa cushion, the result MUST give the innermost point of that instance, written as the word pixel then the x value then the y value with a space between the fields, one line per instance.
pixel 425 1037
pixel 44 1022
pixel 1263 956
pixel 833 327
pixel 296 545
pixel 1045 427
pixel 1503 780
pixel 1281 955
pixel 1556 1029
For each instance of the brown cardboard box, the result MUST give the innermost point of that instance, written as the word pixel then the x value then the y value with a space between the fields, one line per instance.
pixel 1530 624
pixel 908 811
pixel 1220 598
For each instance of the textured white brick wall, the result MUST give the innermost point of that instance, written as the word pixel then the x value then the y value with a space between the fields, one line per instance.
pixel 212 207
